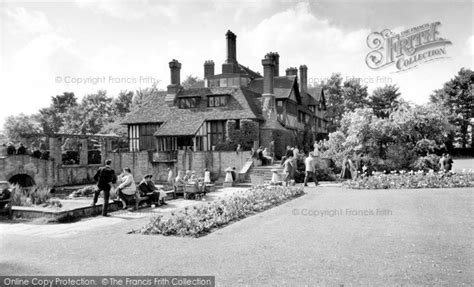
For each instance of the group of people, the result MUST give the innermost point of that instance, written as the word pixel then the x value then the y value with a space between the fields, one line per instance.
pixel 127 191
pixel 12 149
pixel 190 178
pixel 290 164
pixel 263 155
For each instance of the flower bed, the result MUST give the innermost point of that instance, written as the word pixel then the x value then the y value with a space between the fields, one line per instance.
pixel 204 219
pixel 413 180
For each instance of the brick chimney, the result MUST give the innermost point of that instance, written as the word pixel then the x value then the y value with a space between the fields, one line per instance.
pixel 291 71
pixel 268 69
pixel 231 47
pixel 208 68
pixel 303 78
pixel 175 86
pixel 269 104
pixel 230 65
pixel 276 63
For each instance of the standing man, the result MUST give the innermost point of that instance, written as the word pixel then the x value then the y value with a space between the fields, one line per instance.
pixel 105 177
pixel 310 170
pixel 448 163
pixel 288 170
pixel 441 162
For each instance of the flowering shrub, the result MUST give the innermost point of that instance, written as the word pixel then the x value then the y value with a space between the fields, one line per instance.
pixel 203 219
pixel 412 179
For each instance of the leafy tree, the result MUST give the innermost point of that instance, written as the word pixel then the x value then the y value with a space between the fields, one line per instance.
pixel 354 95
pixel 15 126
pixel 343 97
pixel 457 97
pixel 121 105
pixel 192 82
pixel 141 95
pixel 51 118
pixel 62 103
pixel 334 100
pixel 384 100
pixel 90 116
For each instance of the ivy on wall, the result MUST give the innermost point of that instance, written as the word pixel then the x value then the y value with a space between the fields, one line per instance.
pixel 244 134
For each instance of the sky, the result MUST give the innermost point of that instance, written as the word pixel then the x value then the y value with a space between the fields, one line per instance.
pixel 51 47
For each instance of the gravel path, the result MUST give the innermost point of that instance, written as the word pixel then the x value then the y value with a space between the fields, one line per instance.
pixel 412 237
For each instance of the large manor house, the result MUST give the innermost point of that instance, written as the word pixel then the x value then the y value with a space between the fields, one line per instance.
pixel 237 106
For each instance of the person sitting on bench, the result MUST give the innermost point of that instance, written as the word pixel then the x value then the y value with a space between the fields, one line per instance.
pixel 148 188
pixel 127 189
pixel 5 194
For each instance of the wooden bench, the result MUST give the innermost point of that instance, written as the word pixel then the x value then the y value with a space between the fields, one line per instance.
pixel 137 200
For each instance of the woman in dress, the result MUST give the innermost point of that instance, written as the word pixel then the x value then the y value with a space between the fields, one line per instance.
pixel 127 189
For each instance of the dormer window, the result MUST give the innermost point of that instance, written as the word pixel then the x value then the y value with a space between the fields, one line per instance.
pixel 311 108
pixel 217 100
pixel 188 103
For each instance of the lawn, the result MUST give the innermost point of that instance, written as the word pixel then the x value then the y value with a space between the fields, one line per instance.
pixel 419 237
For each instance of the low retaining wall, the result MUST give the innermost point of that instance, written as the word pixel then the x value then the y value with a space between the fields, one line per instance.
pixel 80 212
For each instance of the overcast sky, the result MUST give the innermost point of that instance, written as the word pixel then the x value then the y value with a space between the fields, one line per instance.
pixel 47 47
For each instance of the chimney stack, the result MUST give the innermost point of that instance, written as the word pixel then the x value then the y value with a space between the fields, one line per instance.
pixel 231 47
pixel 175 86
pixel 291 71
pixel 276 63
pixel 208 68
pixel 268 69
pixel 303 78
pixel 175 68
pixel 230 65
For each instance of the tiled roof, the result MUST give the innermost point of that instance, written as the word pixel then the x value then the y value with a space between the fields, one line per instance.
pixel 282 86
pixel 248 71
pixel 194 92
pixel 181 127
pixel 242 104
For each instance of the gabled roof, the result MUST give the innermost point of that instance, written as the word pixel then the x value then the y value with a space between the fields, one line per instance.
pixel 308 99
pixel 242 104
pixel 282 86
pixel 317 93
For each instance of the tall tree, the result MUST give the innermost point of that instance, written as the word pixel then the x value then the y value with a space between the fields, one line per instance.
pixel 384 100
pixel 121 105
pixel 51 118
pixel 334 100
pixel 457 97
pixel 90 116
pixel 354 94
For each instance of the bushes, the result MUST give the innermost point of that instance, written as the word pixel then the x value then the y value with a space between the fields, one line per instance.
pixel 426 163
pixel 413 180
pixel 35 195
pixel 204 219
pixel 392 143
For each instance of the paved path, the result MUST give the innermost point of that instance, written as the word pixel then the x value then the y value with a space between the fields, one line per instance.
pixel 419 237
